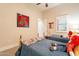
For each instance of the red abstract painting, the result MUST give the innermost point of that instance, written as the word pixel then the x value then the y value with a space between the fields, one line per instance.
pixel 22 20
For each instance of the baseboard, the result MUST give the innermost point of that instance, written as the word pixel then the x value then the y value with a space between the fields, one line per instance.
pixel 8 47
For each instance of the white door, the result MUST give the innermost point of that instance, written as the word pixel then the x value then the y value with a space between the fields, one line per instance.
pixel 40 28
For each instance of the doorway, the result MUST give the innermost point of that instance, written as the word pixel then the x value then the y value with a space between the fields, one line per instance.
pixel 40 28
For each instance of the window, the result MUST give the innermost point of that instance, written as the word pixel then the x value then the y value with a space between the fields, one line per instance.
pixel 73 23
pixel 61 23
pixel 67 23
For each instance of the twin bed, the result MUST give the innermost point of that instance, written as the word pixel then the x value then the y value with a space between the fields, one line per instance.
pixel 41 48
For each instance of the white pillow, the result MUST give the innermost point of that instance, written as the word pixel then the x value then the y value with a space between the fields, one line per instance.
pixel 30 41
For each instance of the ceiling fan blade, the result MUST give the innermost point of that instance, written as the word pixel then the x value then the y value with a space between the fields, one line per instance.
pixel 46 5
pixel 38 3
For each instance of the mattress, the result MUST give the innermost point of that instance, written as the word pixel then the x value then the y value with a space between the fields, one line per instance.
pixel 41 48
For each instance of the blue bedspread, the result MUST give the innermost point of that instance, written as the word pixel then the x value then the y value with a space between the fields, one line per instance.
pixel 41 48
pixel 60 39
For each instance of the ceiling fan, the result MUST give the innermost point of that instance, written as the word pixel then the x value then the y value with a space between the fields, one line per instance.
pixel 46 4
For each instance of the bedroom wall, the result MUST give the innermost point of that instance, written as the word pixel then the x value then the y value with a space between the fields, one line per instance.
pixel 51 14
pixel 9 32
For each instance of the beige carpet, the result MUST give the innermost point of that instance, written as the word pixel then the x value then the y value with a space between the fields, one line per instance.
pixel 9 52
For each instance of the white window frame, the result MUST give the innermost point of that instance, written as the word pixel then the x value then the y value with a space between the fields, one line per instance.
pixel 60 20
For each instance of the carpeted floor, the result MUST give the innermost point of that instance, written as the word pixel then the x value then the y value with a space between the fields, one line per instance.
pixel 9 52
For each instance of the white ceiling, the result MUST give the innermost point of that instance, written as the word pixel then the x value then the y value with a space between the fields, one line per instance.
pixel 43 8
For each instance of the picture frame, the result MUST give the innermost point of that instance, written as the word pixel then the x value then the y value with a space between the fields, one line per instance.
pixel 51 25
pixel 22 20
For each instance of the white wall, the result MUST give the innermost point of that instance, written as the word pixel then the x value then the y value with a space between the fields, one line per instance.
pixel 9 32
pixel 51 14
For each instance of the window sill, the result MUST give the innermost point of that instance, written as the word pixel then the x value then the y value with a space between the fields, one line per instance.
pixel 61 31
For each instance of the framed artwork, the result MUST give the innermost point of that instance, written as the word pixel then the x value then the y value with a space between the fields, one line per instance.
pixel 51 25
pixel 22 20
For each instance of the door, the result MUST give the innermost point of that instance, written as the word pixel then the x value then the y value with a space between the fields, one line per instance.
pixel 40 28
